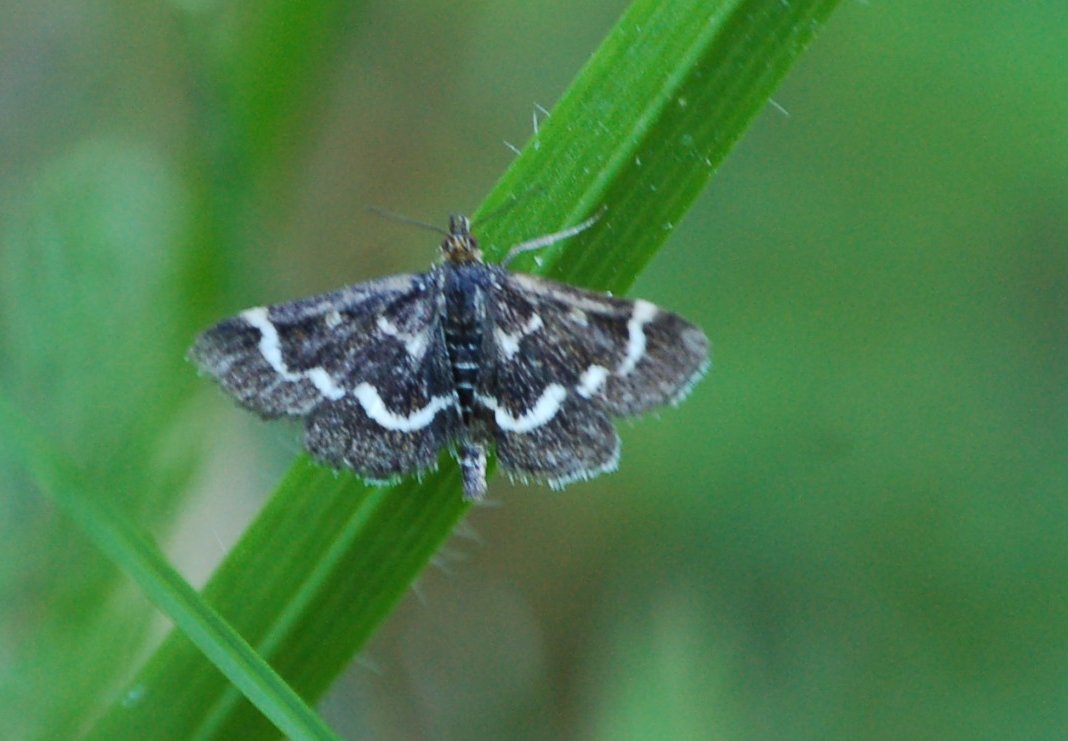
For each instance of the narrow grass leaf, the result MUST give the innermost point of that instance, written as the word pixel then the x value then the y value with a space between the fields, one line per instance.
pixel 139 558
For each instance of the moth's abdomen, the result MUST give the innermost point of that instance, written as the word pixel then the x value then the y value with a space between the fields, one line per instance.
pixel 463 341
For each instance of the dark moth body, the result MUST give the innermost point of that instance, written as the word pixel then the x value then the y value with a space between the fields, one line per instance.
pixel 467 356
pixel 465 312
pixel 465 287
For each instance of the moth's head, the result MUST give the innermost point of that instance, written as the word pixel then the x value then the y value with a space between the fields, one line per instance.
pixel 460 245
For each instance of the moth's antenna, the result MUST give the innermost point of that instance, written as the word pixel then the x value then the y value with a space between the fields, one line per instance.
pixel 402 219
pixel 513 201
pixel 547 239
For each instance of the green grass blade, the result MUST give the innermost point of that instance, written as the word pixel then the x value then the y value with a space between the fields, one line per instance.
pixel 640 131
pixel 132 551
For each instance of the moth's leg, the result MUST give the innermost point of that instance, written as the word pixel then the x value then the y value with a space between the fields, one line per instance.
pixel 547 239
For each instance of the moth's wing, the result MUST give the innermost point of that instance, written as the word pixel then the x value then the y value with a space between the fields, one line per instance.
pixel 565 360
pixel 288 358
pixel 628 356
pixel 365 366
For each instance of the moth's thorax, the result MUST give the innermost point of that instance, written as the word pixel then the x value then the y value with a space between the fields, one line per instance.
pixel 460 246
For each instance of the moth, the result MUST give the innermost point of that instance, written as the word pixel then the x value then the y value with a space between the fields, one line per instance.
pixel 466 356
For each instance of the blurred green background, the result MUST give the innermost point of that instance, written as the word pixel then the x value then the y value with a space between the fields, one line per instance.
pixel 866 537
